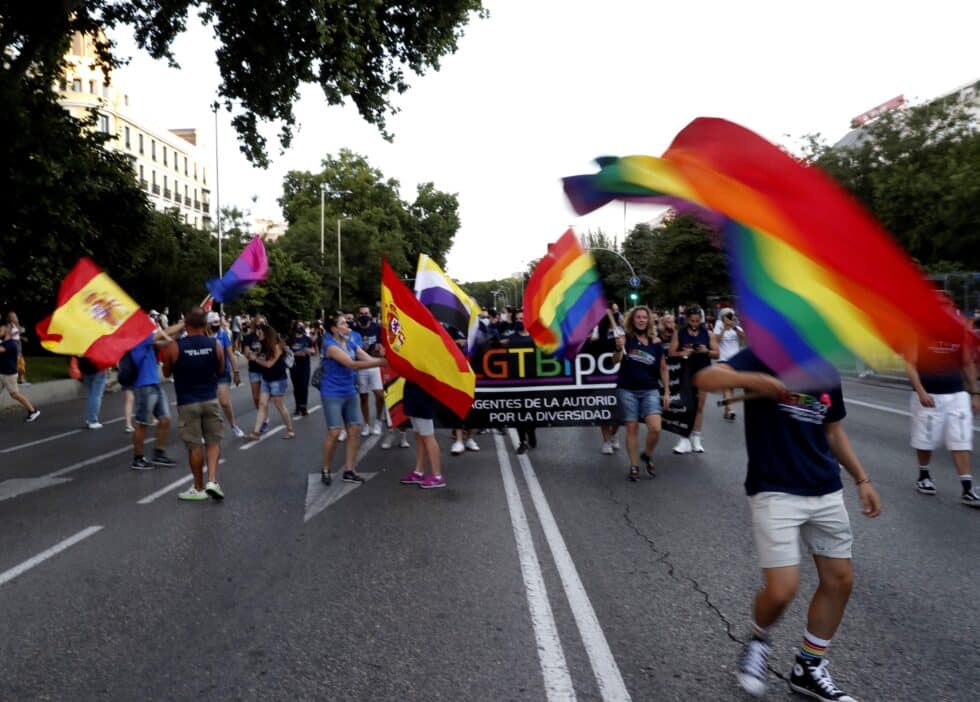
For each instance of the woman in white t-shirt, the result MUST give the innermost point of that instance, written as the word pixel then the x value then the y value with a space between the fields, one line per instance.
pixel 730 337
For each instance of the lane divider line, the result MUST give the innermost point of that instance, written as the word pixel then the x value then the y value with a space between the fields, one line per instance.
pixel 8 575
pixel 554 668
pixel 609 679
pixel 45 440
pixel 250 444
pixel 95 459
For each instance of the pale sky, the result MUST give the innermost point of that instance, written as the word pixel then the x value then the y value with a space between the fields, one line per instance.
pixel 542 87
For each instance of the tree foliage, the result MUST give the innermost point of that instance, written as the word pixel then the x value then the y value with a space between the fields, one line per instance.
pixel 918 172
pixel 353 49
pixel 374 223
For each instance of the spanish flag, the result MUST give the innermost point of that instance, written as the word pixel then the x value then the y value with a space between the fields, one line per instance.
pixel 420 350
pixel 94 318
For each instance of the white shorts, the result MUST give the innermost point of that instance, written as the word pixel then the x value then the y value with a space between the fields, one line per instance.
pixel 780 520
pixel 369 380
pixel 423 427
pixel 950 422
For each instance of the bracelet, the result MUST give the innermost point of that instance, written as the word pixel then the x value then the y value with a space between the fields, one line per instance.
pixel 862 481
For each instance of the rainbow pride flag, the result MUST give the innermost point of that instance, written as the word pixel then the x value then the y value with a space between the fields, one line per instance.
pixel 819 280
pixel 563 300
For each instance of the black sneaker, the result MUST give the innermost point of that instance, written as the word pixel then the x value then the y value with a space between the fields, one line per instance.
pixel 813 680
pixel 651 471
pixel 926 486
pixel 31 416
pixel 753 667
pixel 634 473
pixel 325 477
pixel 141 464
pixel 352 477
pixel 971 498
pixel 162 459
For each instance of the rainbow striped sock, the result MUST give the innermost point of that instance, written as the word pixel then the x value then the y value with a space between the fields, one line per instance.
pixel 814 648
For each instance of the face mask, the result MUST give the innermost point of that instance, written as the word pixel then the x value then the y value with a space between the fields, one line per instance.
pixel 364 320
pixel 215 327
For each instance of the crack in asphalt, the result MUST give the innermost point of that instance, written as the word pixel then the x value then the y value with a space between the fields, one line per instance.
pixel 672 572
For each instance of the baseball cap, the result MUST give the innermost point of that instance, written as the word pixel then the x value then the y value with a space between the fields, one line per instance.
pixel 213 318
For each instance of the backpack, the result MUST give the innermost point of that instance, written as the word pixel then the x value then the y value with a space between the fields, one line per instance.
pixel 127 370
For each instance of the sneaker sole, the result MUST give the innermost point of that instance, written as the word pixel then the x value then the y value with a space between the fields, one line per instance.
pixel 192 499
pixel 931 493
pixel 432 487
pixel 752 686
pixel 142 467
pixel 975 505
pixel 808 693
pixel 353 480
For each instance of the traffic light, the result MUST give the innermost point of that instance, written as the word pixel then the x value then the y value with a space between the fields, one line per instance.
pixel 634 296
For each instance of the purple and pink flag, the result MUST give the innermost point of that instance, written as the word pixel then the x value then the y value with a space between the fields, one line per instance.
pixel 251 267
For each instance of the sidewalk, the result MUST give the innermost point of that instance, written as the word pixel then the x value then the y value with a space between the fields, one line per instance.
pixel 52 392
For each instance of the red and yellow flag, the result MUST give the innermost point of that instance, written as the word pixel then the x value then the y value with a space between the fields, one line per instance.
pixel 420 350
pixel 94 318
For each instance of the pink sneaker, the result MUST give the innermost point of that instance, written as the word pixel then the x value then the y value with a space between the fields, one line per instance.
pixel 412 478
pixel 433 481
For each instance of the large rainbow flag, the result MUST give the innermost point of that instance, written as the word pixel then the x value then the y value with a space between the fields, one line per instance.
pixel 563 300
pixel 819 280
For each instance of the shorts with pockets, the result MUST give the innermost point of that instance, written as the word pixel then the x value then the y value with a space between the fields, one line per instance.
pixel 342 411
pixel 637 405
pixel 200 421
pixel 369 380
pixel 781 520
pixel 150 400
pixel 950 422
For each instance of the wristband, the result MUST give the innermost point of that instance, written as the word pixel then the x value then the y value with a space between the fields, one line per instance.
pixel 862 481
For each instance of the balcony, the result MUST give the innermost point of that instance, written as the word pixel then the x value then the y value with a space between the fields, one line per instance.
pixel 206 206
pixel 187 201
pixel 168 194
pixel 197 204
pixel 156 189
pixel 144 185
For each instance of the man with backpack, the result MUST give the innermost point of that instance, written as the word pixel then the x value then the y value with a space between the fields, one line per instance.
pixel 139 369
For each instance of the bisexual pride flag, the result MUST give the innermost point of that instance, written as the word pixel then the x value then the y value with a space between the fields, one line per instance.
pixel 251 267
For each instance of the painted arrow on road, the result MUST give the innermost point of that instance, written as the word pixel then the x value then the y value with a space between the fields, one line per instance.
pixel 319 496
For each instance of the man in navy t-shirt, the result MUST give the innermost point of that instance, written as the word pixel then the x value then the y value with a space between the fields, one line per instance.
pixel 796 445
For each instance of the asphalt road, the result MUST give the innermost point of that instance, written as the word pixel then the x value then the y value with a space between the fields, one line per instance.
pixel 545 578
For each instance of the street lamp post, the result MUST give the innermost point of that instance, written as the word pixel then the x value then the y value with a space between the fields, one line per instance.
pixel 340 274
pixel 323 190
pixel 217 197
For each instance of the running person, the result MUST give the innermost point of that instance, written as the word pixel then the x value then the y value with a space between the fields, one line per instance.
pixel 796 446
pixel 693 342
pixel 341 360
pixel 942 413
pixel 195 361
pixel 228 374
pixel 642 363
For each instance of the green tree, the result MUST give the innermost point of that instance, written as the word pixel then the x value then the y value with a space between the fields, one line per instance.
pixel 290 292
pixel 918 172
pixel 354 49
pixel 685 262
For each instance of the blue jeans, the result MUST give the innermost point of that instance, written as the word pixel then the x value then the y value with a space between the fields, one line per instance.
pixel 95 386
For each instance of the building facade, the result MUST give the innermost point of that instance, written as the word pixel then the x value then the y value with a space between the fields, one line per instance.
pixel 168 163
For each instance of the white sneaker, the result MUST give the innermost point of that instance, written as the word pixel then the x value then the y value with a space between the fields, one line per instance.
pixel 683 446
pixel 457 448
pixel 471 445
pixel 607 449
pixel 365 430
pixel 614 442
pixel 378 428
pixel 404 442
pixel 387 441
pixel 93 425
pixel 192 494
pixel 696 443
pixel 129 429
pixel 237 431
pixel 343 435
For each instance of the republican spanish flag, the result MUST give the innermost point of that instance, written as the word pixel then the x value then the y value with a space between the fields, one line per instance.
pixel 94 318
pixel 420 350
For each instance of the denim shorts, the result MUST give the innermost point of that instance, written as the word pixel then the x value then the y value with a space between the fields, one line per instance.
pixel 637 405
pixel 224 379
pixel 342 411
pixel 275 388
pixel 254 377
pixel 150 400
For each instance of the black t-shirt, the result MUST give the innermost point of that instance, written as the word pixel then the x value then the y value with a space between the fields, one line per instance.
pixel 786 441
pixel 417 402
pixel 251 341
pixel 640 367
pixel 685 339
pixel 8 359
pixel 944 383
pixel 277 371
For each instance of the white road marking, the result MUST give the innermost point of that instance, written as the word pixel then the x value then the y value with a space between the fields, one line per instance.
pixel 9 575
pixel 554 668
pixel 15 487
pixel 172 486
pixel 612 688
pixel 319 496
pixel 250 444
pixel 95 459
pixel 18 447
pixel 885 408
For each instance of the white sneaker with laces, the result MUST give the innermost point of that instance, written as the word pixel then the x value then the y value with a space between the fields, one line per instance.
pixel 192 494
pixel 752 668
pixel 237 431
pixel 471 445
pixel 683 446
pixel 365 430
pixel 378 428
pixel 607 449
pixel 457 448
pixel 696 443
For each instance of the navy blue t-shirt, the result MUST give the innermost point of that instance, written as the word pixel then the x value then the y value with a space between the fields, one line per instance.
pixel 640 367
pixel 944 383
pixel 685 339
pixel 370 336
pixel 786 441
pixel 417 402
pixel 8 359
pixel 196 369
pixel 301 344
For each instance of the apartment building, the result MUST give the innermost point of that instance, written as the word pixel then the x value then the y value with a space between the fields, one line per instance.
pixel 169 164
